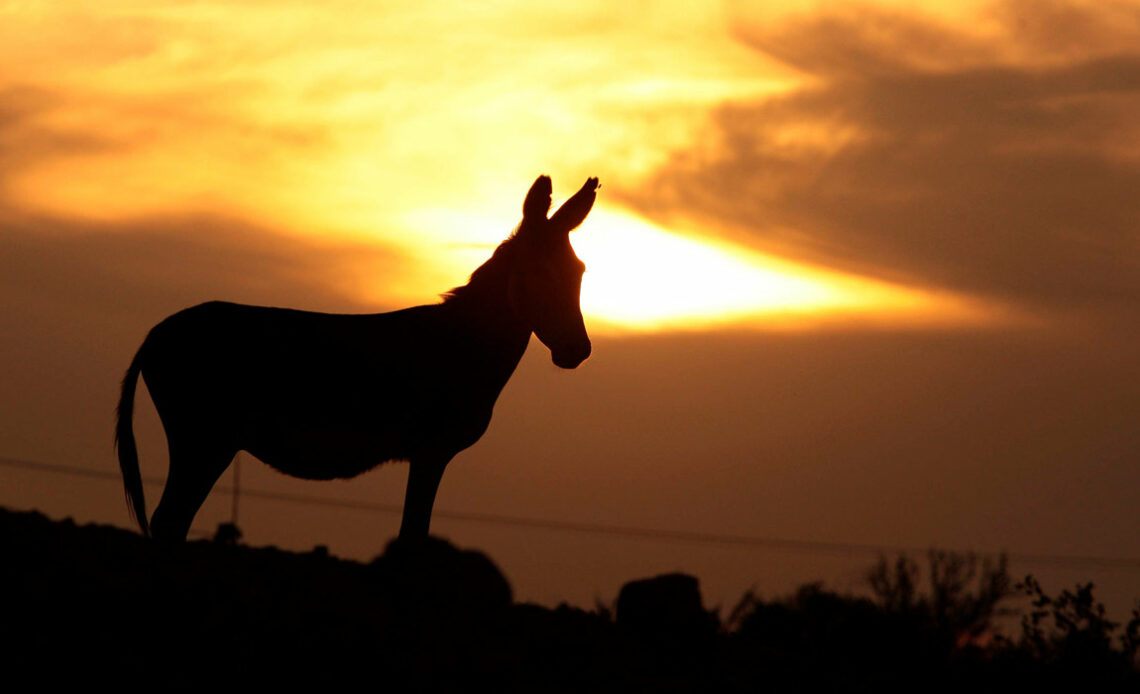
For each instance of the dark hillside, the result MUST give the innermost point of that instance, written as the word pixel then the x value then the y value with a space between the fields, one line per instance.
pixel 85 605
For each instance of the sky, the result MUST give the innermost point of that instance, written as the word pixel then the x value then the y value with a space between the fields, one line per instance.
pixel 859 274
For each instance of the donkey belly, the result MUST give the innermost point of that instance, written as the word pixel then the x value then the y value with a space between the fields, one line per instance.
pixel 341 448
pixel 321 455
pixel 322 445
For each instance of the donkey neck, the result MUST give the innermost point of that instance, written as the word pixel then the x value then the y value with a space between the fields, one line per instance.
pixel 483 307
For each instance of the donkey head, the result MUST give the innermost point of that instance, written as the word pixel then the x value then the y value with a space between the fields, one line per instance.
pixel 547 280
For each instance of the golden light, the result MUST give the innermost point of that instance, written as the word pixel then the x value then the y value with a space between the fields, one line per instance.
pixel 642 277
pixel 420 129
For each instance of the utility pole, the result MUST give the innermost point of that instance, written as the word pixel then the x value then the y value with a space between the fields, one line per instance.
pixel 237 489
pixel 229 533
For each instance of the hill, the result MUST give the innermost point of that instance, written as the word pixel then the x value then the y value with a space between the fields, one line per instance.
pixel 86 605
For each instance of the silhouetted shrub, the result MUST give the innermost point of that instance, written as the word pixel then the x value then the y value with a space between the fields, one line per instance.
pixel 1079 640
pixel 962 602
pixel 227 534
pixel 433 574
pixel 666 609
pixel 820 637
pixel 903 633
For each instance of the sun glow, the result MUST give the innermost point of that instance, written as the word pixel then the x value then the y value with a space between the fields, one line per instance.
pixel 642 277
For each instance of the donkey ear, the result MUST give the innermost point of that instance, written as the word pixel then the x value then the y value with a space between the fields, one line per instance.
pixel 574 210
pixel 537 203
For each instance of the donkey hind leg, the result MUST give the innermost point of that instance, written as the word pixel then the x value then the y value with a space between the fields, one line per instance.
pixel 193 471
pixel 424 475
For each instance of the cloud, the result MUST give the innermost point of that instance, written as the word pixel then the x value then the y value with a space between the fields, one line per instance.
pixel 25 137
pixel 57 265
pixel 149 267
pixel 349 119
pixel 917 152
pixel 1069 29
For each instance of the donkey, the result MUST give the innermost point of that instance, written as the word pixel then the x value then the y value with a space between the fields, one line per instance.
pixel 322 396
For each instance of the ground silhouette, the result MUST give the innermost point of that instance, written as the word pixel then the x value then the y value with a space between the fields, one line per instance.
pixel 88 605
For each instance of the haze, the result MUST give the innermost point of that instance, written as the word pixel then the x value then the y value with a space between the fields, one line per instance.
pixel 863 275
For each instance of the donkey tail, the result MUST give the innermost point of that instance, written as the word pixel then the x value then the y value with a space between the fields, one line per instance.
pixel 125 445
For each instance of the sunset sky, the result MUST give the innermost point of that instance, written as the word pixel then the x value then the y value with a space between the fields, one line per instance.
pixel 859 273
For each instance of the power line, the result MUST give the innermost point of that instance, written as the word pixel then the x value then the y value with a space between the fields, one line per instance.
pixel 817 546
pixel 156 482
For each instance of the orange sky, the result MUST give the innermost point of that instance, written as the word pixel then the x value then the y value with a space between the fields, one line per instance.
pixel 882 254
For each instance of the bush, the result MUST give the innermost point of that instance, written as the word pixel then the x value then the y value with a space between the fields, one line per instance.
pixel 963 601
pixel 1081 636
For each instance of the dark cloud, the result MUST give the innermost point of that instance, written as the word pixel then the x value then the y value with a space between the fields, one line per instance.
pixel 859 43
pixel 928 160
pixel 151 265
pixel 1068 29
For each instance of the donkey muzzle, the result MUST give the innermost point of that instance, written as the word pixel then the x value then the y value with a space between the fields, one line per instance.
pixel 571 357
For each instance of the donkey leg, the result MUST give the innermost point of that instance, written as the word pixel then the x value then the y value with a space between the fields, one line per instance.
pixel 193 472
pixel 424 475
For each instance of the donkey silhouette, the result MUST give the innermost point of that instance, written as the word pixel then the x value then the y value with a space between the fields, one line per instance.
pixel 323 396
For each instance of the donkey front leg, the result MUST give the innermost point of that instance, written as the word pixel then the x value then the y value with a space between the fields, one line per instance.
pixel 424 475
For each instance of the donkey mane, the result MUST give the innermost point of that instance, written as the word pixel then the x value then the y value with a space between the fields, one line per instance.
pixel 488 275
